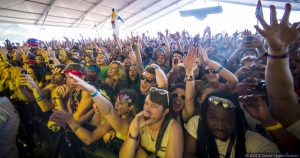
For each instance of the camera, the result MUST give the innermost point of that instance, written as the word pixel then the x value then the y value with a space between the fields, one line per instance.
pixel 261 86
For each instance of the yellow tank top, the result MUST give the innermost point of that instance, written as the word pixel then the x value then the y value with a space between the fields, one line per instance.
pixel 149 144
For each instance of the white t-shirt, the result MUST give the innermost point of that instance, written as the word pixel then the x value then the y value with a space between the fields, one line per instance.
pixel 294 129
pixel 255 143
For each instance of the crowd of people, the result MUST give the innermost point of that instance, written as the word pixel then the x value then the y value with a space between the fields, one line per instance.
pixel 173 95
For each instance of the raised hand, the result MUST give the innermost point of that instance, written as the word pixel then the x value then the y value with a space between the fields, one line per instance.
pixel 278 35
pixel 25 80
pixel 257 107
pixel 202 55
pixel 81 83
pixel 189 61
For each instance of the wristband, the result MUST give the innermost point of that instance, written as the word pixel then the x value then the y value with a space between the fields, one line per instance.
pixel 189 77
pixel 274 127
pixel 281 56
pixel 95 93
pixel 136 138
pixel 156 67
pixel 219 69
pixel 39 98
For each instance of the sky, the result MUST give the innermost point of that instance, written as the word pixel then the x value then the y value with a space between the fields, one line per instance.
pixel 234 17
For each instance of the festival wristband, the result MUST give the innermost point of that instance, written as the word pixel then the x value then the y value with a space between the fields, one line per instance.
pixel 95 93
pixel 219 69
pixel 274 127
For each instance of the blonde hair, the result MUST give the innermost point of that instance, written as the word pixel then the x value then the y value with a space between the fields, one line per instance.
pixel 120 73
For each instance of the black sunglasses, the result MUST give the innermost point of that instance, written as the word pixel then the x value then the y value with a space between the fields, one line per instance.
pixel 149 80
pixel 208 71
pixel 176 95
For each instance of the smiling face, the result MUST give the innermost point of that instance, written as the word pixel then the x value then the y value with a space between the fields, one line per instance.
pixel 221 122
pixel 113 70
pixel 147 81
pixel 210 75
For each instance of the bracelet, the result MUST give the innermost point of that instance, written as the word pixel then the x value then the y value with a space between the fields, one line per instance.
pixel 156 67
pixel 39 98
pixel 95 93
pixel 281 56
pixel 274 127
pixel 189 77
pixel 219 69
pixel 136 138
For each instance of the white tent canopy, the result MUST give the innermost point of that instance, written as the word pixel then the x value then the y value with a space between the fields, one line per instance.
pixel 96 13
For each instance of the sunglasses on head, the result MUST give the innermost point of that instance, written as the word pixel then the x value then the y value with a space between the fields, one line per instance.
pixel 149 80
pixel 161 92
pixel 176 95
pixel 208 71
pixel 226 104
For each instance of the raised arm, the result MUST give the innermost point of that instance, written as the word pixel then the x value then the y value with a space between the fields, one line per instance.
pixel 87 137
pixel 283 101
pixel 137 52
pixel 168 50
pixel 231 79
pixel 161 79
pixel 189 64
pixel 42 102
pixel 258 109
pixel 104 105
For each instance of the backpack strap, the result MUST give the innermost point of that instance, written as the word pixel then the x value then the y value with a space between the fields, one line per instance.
pixel 161 133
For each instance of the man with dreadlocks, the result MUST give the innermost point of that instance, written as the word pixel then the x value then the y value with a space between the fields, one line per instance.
pixel 221 131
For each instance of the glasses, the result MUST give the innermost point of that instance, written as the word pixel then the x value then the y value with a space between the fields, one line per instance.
pixel 226 104
pixel 208 71
pixel 149 80
pixel 176 95
pixel 161 92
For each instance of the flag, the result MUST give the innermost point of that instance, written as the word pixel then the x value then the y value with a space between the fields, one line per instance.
pixel 259 10
pixel 114 22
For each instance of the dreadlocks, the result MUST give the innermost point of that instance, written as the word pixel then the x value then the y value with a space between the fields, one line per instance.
pixel 206 145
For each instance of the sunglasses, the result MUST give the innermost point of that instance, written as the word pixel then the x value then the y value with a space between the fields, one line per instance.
pixel 176 95
pixel 161 92
pixel 208 71
pixel 149 80
pixel 226 104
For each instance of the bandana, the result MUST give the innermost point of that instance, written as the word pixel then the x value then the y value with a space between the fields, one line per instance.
pixel 74 72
